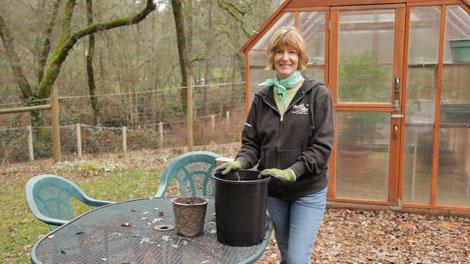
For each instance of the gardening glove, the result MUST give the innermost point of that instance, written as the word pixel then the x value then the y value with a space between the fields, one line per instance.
pixel 227 167
pixel 283 175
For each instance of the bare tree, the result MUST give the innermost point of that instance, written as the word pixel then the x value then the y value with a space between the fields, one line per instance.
pixel 129 60
pixel 89 64
pixel 185 66
pixel 47 74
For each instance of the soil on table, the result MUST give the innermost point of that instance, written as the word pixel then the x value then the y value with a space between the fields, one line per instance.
pixel 190 200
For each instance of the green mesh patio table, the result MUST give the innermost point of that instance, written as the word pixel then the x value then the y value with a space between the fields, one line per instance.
pixel 139 231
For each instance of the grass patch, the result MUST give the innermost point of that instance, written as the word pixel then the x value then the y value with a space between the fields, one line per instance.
pixel 109 176
pixel 20 229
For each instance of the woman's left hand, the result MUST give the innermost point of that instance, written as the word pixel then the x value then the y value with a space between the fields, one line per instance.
pixel 283 175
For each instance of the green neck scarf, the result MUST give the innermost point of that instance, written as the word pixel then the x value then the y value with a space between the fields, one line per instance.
pixel 283 84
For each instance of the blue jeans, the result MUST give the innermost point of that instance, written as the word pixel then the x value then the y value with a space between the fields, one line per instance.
pixel 296 225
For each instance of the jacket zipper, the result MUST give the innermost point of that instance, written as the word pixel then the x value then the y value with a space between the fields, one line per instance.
pixel 274 108
pixel 281 120
pixel 280 127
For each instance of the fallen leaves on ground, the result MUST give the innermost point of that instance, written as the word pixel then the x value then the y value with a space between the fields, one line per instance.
pixel 346 236
pixel 355 236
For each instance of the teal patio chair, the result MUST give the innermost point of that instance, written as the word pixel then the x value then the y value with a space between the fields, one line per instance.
pixel 193 170
pixel 49 196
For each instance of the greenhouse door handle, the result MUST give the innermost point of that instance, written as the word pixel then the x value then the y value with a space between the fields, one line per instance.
pixel 395 131
pixel 397 93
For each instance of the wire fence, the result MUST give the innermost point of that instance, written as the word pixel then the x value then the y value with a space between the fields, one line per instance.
pixel 128 122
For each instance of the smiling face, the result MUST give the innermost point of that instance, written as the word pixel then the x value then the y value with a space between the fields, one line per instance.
pixel 286 52
pixel 286 61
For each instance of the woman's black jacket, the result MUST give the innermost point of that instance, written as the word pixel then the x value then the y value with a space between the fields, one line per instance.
pixel 302 140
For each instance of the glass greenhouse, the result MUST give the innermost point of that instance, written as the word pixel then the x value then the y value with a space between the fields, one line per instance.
pixel 399 73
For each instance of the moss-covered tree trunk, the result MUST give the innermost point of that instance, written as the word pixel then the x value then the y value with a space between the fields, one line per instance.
pixel 89 65
pixel 207 56
pixel 182 49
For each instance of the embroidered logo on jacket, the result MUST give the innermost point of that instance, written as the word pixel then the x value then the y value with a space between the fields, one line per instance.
pixel 300 109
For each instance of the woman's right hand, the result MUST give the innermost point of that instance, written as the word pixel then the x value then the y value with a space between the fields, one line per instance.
pixel 229 166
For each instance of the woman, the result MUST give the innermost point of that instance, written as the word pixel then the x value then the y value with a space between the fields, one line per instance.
pixel 289 132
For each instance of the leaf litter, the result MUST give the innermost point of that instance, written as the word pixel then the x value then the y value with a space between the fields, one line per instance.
pixel 356 236
pixel 346 236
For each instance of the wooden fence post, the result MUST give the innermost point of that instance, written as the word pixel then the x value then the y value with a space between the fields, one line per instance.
pixel 124 139
pixel 213 122
pixel 79 140
pixel 55 124
pixel 190 112
pixel 30 143
pixel 160 131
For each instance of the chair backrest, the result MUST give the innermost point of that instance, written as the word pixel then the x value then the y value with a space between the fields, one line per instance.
pixel 193 170
pixel 50 196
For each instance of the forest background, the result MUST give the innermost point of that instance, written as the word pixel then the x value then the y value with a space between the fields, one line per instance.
pixel 125 72
pixel 129 73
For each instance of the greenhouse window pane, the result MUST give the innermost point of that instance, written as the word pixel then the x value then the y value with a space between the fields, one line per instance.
pixel 286 20
pixel 453 179
pixel 257 59
pixel 363 155
pixel 366 42
pixel 257 76
pixel 317 73
pixel 312 28
pixel 417 177
pixel 425 25
pixel 457 35
pixel 421 103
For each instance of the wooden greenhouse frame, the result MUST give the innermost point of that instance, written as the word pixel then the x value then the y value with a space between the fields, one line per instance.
pixel 395 107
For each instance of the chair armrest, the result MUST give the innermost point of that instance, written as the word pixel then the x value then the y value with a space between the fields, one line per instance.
pixel 49 220
pixel 96 203
pixel 161 191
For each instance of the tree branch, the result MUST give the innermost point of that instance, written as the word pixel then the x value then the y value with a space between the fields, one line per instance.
pixel 64 46
pixel 235 15
pixel 14 60
pixel 66 21
pixel 46 45
pixel 232 4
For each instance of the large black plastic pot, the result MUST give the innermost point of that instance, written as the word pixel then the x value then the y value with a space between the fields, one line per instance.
pixel 240 207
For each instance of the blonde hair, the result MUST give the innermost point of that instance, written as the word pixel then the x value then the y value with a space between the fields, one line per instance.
pixel 287 36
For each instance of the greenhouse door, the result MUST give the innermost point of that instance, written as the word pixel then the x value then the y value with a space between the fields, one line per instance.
pixel 365 73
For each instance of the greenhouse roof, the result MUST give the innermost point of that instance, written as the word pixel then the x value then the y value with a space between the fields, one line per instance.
pixel 305 5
